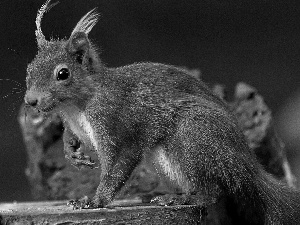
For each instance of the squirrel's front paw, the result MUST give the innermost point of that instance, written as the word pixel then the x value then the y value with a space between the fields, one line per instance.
pixel 83 203
pixel 73 152
pixel 79 159
pixel 88 203
pixel 170 199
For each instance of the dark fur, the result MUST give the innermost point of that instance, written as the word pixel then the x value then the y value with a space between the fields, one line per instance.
pixel 159 112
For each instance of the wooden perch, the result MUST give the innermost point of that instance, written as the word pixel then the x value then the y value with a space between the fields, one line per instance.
pixel 57 212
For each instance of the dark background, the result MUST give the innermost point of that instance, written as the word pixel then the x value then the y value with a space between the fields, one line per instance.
pixel 255 41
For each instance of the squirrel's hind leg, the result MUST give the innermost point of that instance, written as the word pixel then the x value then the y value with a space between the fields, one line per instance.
pixel 169 165
pixel 169 168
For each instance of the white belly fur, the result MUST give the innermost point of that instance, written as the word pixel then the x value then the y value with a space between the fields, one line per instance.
pixel 79 124
pixel 172 170
pixel 85 124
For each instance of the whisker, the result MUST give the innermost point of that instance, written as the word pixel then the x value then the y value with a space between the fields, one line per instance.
pixel 16 52
pixel 14 81
pixel 11 94
pixel 18 92
pixel 19 89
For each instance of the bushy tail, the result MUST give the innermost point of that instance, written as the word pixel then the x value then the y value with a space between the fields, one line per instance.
pixel 281 203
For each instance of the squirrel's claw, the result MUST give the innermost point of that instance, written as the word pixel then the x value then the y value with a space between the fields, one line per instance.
pixel 170 199
pixel 80 162
pixel 79 159
pixel 74 153
pixel 83 203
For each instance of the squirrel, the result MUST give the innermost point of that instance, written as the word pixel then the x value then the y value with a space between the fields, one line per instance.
pixel 155 111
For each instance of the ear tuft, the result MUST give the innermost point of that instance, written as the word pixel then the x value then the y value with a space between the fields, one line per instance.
pixel 79 43
pixel 86 23
pixel 40 38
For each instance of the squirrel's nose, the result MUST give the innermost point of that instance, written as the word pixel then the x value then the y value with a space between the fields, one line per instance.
pixel 31 100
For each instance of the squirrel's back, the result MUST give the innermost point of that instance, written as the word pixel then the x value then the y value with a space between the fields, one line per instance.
pixel 161 78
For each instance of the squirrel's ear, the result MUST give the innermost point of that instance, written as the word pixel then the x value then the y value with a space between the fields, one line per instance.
pixel 78 45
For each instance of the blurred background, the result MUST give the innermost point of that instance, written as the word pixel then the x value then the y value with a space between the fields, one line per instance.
pixel 257 42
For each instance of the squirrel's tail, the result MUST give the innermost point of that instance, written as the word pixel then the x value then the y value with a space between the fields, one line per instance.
pixel 266 201
pixel 281 203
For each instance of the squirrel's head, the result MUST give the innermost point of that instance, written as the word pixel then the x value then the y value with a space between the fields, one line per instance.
pixel 62 70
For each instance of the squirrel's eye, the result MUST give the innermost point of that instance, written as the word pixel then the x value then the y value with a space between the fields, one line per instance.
pixel 63 74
